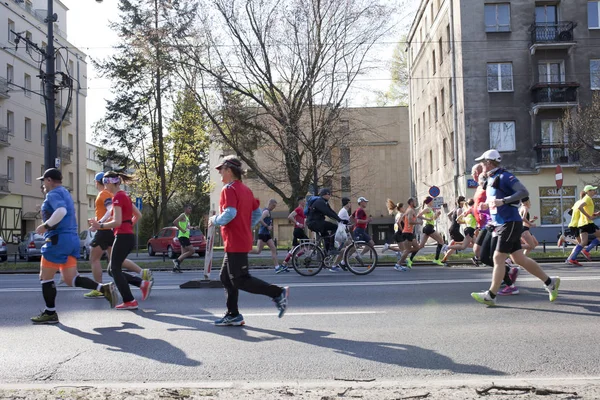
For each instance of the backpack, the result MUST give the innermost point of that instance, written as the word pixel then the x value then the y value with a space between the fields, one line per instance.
pixel 309 203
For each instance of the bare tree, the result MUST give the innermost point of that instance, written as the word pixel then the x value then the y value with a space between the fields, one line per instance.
pixel 273 77
pixel 582 134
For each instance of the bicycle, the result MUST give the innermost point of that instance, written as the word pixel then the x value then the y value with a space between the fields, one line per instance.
pixel 309 257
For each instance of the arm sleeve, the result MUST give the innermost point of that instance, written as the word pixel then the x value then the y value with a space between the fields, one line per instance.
pixel 56 216
pixel 108 213
pixel 256 216
pixel 226 216
pixel 520 192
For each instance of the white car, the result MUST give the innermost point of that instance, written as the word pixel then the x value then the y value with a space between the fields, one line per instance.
pixel 3 250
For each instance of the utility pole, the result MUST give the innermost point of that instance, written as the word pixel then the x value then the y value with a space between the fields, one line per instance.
pixel 51 159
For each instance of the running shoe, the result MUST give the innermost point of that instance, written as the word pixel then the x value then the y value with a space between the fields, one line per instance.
pixel 177 266
pixel 94 294
pixel 553 288
pixel 343 266
pixel 386 246
pixel 586 254
pixel 561 241
pixel 147 275
pixel 508 291
pixel 335 268
pixel 282 300
pixel 513 274
pixel 574 262
pixel 146 288
pixel 444 248
pixel 400 268
pixel 475 261
pixel 409 263
pixel 281 268
pixel 229 320
pixel 45 319
pixel 438 262
pixel 484 298
pixel 110 294
pixel 509 262
pixel 130 305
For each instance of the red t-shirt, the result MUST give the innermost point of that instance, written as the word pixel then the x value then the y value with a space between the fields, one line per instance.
pixel 237 234
pixel 478 198
pixel 360 214
pixel 124 202
pixel 300 217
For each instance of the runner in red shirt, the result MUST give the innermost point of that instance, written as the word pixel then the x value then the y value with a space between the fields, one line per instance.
pixel 297 218
pixel 362 220
pixel 238 212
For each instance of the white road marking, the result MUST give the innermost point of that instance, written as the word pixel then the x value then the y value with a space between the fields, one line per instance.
pixel 290 314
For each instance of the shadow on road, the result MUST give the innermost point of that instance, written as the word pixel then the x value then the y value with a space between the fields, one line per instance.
pixel 118 340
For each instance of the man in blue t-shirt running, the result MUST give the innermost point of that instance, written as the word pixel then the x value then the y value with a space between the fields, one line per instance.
pixel 504 192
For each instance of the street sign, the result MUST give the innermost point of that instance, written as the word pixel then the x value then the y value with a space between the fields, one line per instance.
pixel 438 202
pixel 57 163
pixel 558 176
pixel 138 203
pixel 434 191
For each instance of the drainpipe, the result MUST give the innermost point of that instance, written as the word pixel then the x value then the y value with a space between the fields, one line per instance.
pixel 454 102
pixel 410 128
pixel 77 173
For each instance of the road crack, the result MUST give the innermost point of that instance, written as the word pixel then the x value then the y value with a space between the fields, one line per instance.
pixel 48 373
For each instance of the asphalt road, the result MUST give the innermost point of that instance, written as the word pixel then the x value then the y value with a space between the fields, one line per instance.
pixel 420 324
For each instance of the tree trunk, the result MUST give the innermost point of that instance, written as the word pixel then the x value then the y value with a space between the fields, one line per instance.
pixel 161 146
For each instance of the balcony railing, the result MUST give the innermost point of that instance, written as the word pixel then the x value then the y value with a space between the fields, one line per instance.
pixel 59 111
pixel 4 184
pixel 555 153
pixel 558 35
pixel 64 153
pixel 4 135
pixel 554 95
pixel 4 94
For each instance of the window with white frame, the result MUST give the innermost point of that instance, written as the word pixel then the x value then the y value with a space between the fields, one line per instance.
pixel 10 73
pixel 497 17
pixel 10 122
pixel 593 14
pixel 595 74
pixel 29 37
pixel 502 135
pixel 499 77
pixel 10 168
pixel 27 172
pixel 28 129
pixel 27 85
pixel 551 72
pixel 11 28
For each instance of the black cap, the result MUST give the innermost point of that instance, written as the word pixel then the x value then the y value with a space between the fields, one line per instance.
pixel 460 198
pixel 345 200
pixel 51 173
pixel 229 161
pixel 324 191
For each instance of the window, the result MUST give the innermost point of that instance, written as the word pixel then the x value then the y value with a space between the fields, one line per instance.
pixel 346 185
pixel 91 203
pixel 42 170
pixel 497 17
pixel 430 162
pixel 43 134
pixel 435 109
pixel 28 36
pixel 595 74
pixel 429 114
pixel 70 141
pixel 593 14
pixel 10 122
pixel 452 146
pixel 419 126
pixel 42 93
pixel 433 63
pixel 443 101
pixel 10 169
pixel 27 173
pixel 551 72
pixel 28 129
pixel 449 38
pixel 502 135
pixel 11 28
pixel 71 180
pixel 423 122
pixel 10 73
pixel 450 93
pixel 499 77
pixel 441 50
pixel 27 85
pixel 71 67
pixel 444 150
pixel 550 204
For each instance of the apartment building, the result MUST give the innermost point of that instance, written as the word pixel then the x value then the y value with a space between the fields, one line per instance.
pixel 501 74
pixel 23 117
pixel 377 169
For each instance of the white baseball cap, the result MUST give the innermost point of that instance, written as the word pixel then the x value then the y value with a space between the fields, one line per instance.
pixel 491 154
pixel 361 199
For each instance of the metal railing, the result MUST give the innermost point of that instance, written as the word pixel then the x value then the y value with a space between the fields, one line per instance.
pixel 4 135
pixel 4 184
pixel 65 153
pixel 554 93
pixel 558 32
pixel 555 153
pixel 60 110
pixel 4 89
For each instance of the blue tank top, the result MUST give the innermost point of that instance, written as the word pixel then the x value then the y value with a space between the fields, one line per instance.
pixel 55 199
pixel 269 221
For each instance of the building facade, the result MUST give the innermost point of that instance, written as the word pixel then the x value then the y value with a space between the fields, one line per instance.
pixel 377 169
pixel 501 74
pixel 23 117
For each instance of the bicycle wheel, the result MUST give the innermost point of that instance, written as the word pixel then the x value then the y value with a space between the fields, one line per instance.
pixel 307 259
pixel 360 258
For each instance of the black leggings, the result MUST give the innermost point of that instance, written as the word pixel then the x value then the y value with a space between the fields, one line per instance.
pixel 122 246
pixel 487 252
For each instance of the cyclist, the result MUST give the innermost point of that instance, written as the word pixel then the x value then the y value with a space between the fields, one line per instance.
pixel 315 219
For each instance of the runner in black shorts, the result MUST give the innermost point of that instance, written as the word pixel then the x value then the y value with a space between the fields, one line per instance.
pixel 103 239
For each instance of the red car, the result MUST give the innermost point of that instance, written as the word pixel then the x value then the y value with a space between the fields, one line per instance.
pixel 166 242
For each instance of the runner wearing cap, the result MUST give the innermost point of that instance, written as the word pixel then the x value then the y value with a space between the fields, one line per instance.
pixel 362 220
pixel 504 191
pixel 239 212
pixel 104 238
pixel 429 216
pixel 316 219
pixel 586 225
pixel 297 218
pixel 61 248
pixel 184 227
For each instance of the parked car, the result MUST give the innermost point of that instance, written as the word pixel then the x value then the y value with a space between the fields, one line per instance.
pixel 3 250
pixel 31 246
pixel 166 242
pixel 85 244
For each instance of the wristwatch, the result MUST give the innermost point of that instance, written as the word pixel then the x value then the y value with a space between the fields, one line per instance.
pixel 46 226
pixel 102 225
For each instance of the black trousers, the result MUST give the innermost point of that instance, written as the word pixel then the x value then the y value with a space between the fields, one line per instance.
pixel 324 228
pixel 122 246
pixel 235 277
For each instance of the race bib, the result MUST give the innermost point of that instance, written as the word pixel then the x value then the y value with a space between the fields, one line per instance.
pixel 491 201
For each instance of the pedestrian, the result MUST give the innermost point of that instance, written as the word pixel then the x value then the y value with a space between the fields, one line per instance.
pixel 528 223
pixel 315 220
pixel 239 212
pixel 504 191
pixel 104 238
pixel 297 218
pixel 124 217
pixel 429 216
pixel 61 248
pixel 184 227
pixel 265 237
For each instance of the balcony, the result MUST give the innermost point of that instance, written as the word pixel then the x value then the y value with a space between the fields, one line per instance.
pixel 64 153
pixel 59 111
pixel 551 154
pixel 4 136
pixel 552 36
pixel 4 190
pixel 91 190
pixel 4 94
pixel 553 95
